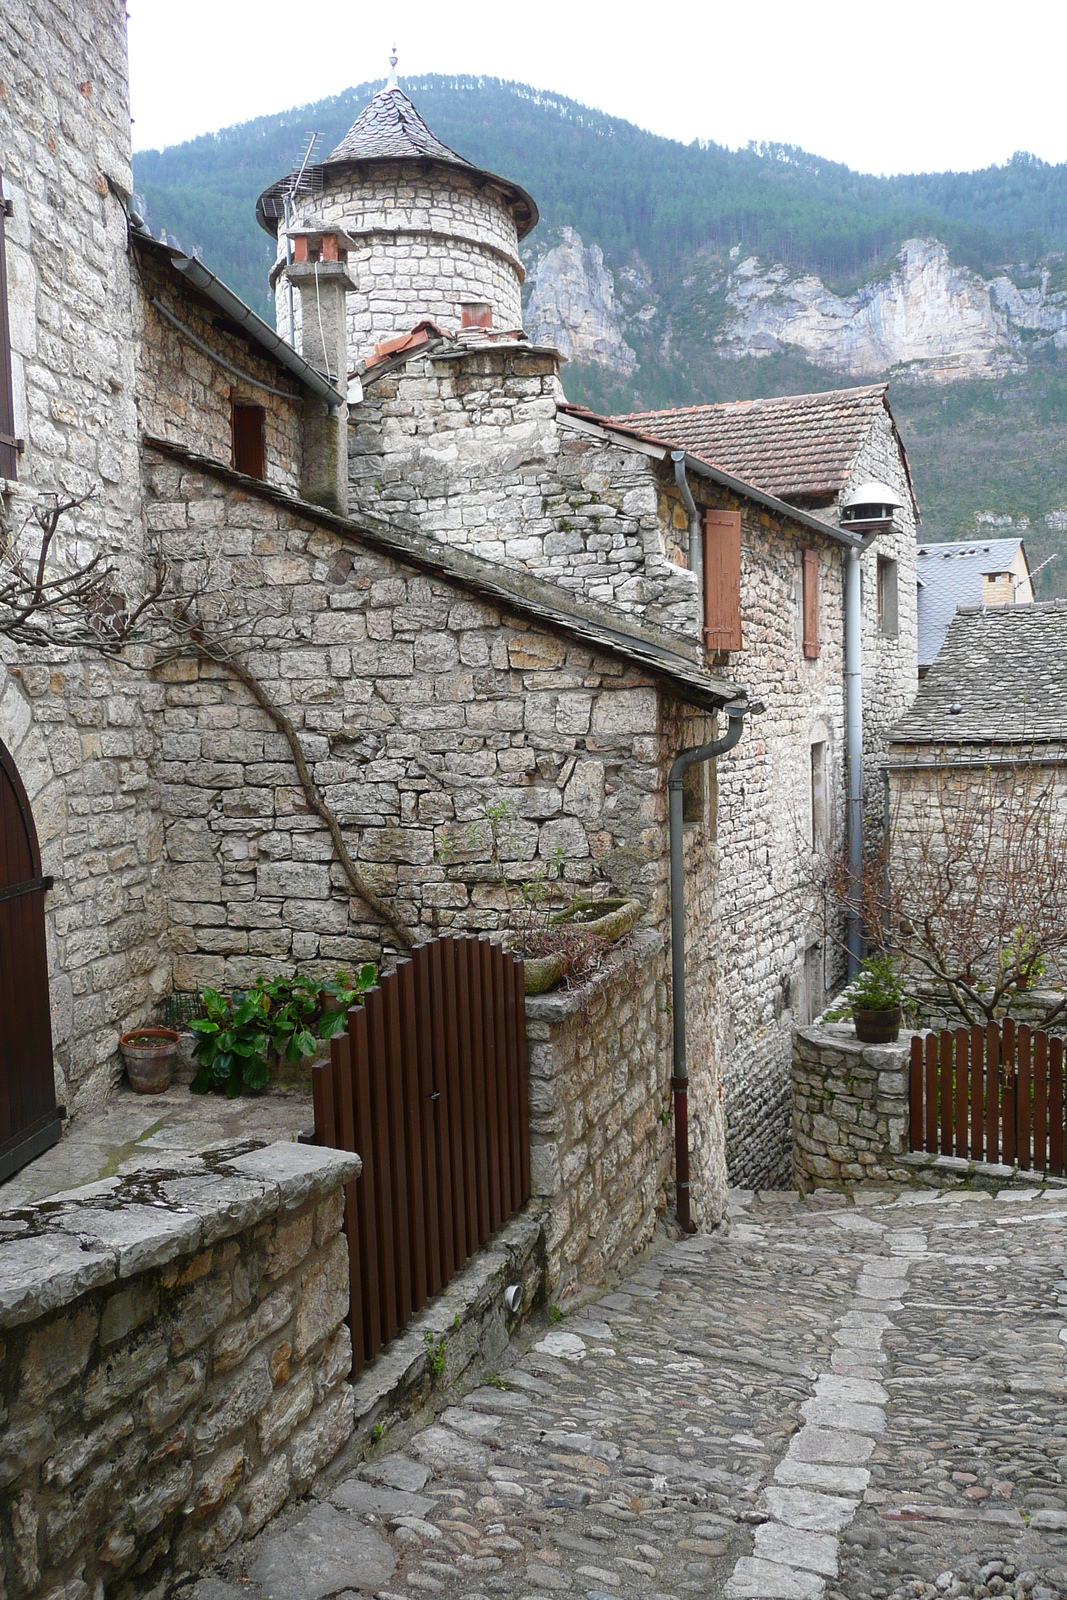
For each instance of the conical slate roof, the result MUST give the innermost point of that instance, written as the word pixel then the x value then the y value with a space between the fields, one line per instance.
pixel 390 129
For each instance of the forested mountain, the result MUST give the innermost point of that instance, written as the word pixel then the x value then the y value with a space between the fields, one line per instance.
pixel 702 247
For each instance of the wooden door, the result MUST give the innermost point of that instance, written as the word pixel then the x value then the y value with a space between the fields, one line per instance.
pixel 29 1118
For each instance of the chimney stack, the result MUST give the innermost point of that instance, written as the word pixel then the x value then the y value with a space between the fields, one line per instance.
pixel 318 272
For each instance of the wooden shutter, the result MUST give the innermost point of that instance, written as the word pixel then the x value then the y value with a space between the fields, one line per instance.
pixel 811 603
pixel 722 580
pixel 8 451
pixel 249 443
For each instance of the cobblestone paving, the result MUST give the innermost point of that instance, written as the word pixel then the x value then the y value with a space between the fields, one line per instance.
pixel 830 1399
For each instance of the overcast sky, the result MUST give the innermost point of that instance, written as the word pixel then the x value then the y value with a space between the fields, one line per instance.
pixel 918 85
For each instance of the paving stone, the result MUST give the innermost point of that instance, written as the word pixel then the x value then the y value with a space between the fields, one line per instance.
pixel 794 1547
pixel 753 1579
pixel 324 1553
pixel 805 1508
pixel 400 1472
pixel 446 1451
pixel 355 1495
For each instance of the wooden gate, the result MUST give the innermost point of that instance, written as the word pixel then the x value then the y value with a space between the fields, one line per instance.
pixel 428 1084
pixel 30 1121
pixel 990 1094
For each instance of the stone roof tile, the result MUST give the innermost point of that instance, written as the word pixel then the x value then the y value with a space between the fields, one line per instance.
pixel 950 575
pixel 1004 666
pixel 389 127
pixel 797 447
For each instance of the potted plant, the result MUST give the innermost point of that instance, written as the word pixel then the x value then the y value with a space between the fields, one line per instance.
pixel 876 999
pixel 149 1056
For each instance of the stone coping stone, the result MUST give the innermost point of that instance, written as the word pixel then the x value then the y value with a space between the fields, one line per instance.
pixel 975 1171
pixel 562 1004
pixel 58 1249
pixel 841 1036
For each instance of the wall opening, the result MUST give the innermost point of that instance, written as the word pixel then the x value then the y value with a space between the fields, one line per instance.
pixel 820 817
pixel 887 597
pixel 249 439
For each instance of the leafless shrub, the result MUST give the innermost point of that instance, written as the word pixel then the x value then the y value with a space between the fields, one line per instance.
pixel 968 890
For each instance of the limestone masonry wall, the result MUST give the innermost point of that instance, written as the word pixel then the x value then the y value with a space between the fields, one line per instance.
pixel 174 1359
pixel 600 1152
pixel 773 965
pixel 78 728
pixel 470 449
pixel 184 396
pixel 426 244
pixel 850 1107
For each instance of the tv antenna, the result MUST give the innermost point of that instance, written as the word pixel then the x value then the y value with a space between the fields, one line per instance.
pixel 301 182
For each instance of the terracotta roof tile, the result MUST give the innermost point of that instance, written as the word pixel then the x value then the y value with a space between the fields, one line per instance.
pixel 797 447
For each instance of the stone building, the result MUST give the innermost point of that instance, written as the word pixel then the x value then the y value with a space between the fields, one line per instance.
pixel 970 572
pixel 468 598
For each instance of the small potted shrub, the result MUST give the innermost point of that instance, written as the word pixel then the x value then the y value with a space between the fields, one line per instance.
pixel 876 999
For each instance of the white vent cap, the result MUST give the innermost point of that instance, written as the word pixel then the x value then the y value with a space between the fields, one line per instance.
pixel 872 494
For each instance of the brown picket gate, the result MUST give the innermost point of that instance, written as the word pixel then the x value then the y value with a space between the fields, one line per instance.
pixel 990 1094
pixel 428 1084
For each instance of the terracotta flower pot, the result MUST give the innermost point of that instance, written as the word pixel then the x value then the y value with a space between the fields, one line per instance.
pixel 877 1027
pixel 149 1056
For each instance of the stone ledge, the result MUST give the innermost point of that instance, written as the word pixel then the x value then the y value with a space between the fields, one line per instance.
pixel 993 1172
pixel 63 1247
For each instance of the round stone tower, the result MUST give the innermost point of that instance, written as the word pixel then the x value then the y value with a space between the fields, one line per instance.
pixel 429 235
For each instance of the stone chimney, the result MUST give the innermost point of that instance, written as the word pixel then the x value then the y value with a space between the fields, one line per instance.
pixel 318 273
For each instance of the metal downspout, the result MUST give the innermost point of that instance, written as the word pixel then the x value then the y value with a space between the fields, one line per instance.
pixel 854 720
pixel 736 712
pixel 696 539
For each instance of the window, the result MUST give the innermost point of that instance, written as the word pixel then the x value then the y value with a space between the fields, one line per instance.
pixel 887 597
pixel 820 819
pixel 249 446
pixel 810 570
pixel 722 580
pixel 8 442
pixel 812 987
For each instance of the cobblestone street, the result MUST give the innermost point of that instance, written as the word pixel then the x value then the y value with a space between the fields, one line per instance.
pixel 830 1399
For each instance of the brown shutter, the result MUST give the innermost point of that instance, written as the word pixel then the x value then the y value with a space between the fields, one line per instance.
pixel 722 580
pixel 249 442
pixel 8 452
pixel 811 603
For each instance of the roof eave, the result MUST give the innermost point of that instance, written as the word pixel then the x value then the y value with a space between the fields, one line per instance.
pixel 248 321
pixel 660 449
pixel 589 628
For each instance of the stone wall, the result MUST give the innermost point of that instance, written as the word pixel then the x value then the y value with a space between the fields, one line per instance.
pixel 174 1366
pixel 850 1107
pixel 426 243
pixel 420 709
pixel 78 728
pixel 773 967
pixel 184 396
pixel 601 1152
pixel 468 447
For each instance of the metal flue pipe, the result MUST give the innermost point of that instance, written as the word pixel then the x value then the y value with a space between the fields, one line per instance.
pixel 736 711
pixel 854 722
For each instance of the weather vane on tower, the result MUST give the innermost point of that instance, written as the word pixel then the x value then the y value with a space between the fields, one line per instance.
pixel 392 84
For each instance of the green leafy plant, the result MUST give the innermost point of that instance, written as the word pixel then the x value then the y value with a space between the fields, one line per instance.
pixel 875 988
pixel 436 1353
pixel 1022 960
pixel 276 1019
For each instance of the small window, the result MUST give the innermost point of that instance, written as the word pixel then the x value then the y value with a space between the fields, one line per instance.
pixel 813 988
pixel 887 597
pixel 249 444
pixel 810 569
pixel 820 817
pixel 476 314
pixel 8 442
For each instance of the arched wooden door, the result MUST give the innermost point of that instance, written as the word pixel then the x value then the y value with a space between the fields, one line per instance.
pixel 29 1117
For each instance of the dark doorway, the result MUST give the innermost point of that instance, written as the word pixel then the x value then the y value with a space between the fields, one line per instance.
pixel 29 1117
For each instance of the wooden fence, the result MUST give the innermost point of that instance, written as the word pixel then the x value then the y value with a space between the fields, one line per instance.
pixel 428 1084
pixel 990 1094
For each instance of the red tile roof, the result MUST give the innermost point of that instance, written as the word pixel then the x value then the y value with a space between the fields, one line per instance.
pixel 796 447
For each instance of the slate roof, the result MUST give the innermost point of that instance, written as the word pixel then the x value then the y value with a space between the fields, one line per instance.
pixel 797 447
pixel 664 657
pixel 1005 668
pixel 950 575
pixel 390 129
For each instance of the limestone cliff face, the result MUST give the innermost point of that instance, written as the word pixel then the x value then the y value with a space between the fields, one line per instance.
pixel 928 317
pixel 572 305
pixel 940 320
